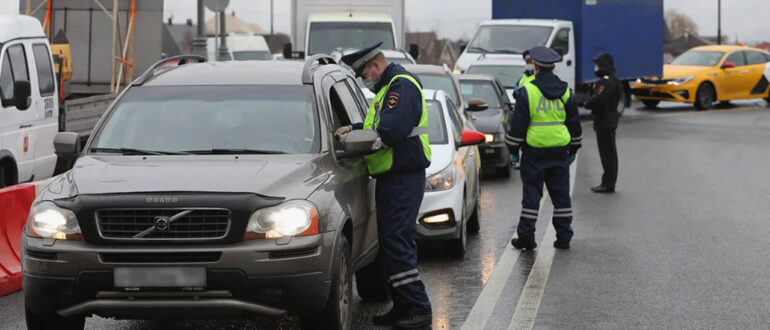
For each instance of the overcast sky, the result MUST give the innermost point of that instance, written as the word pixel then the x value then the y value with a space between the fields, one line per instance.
pixel 748 19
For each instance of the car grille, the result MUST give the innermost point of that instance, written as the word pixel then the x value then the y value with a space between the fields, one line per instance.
pixel 147 224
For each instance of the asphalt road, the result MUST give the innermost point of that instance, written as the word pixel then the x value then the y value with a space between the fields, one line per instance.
pixel 682 244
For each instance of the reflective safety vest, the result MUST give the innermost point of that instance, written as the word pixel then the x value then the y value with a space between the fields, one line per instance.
pixel 525 79
pixel 382 160
pixel 546 119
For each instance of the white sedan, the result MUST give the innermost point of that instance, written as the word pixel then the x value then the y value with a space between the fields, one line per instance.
pixel 450 208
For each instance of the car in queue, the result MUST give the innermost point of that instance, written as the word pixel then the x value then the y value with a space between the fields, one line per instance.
pixel 492 121
pixel 451 205
pixel 507 71
pixel 210 190
pixel 707 74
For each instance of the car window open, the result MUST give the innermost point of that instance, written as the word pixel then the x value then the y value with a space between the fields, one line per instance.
pixel 277 119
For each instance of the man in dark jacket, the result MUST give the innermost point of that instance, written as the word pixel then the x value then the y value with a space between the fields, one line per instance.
pixel 546 124
pixel 604 107
pixel 399 116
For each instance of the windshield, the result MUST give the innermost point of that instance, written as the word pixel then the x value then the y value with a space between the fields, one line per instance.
pixel 248 55
pixel 328 36
pixel 440 82
pixel 698 58
pixel 508 75
pixel 508 39
pixel 480 89
pixel 273 119
pixel 436 128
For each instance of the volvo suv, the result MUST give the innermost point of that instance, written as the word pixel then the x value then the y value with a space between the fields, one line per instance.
pixel 210 190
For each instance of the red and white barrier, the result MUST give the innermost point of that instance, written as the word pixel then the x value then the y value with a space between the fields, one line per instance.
pixel 15 202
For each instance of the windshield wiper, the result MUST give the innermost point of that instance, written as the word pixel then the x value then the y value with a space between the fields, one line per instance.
pixel 479 49
pixel 505 51
pixel 136 151
pixel 234 152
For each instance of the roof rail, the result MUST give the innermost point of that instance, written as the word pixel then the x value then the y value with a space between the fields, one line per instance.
pixel 181 59
pixel 307 71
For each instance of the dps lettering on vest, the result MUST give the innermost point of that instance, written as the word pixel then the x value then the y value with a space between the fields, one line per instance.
pixel 547 117
pixel 382 160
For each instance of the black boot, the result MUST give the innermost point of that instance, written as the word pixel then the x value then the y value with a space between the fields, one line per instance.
pixel 413 320
pixel 603 189
pixel 523 244
pixel 388 318
pixel 564 245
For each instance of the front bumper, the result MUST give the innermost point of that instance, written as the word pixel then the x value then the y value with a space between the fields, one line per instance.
pixel 494 155
pixel 681 93
pixel 250 277
pixel 441 202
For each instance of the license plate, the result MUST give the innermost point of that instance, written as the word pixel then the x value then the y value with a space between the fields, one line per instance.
pixel 159 277
pixel 489 151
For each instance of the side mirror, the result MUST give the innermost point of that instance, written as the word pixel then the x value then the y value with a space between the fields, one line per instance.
pixel 359 143
pixel 414 51
pixel 477 105
pixel 21 95
pixel 287 51
pixel 470 138
pixel 67 144
pixel 728 65
pixel 462 47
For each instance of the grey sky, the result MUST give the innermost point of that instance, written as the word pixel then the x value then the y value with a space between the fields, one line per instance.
pixel 748 19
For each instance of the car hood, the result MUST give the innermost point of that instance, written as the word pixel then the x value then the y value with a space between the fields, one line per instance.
pixel 466 59
pixel 488 122
pixel 679 71
pixel 287 176
pixel 441 155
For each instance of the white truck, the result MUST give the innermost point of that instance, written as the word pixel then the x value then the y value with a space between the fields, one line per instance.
pixel 29 109
pixel 241 46
pixel 323 26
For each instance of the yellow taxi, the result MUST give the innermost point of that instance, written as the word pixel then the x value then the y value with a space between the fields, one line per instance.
pixel 707 74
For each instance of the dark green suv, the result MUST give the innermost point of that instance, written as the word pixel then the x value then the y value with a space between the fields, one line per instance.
pixel 210 190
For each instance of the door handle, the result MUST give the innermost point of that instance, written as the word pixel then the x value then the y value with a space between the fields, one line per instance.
pixel 25 126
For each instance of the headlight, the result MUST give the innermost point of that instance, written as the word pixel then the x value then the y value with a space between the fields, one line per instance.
pixel 443 180
pixel 292 218
pixel 489 138
pixel 50 221
pixel 457 71
pixel 680 81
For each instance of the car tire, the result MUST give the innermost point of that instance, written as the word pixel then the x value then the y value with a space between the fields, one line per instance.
pixel 371 282
pixel 650 104
pixel 474 226
pixel 705 97
pixel 338 313
pixel 53 321
pixel 458 245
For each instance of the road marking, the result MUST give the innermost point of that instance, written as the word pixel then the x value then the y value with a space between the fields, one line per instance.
pixel 529 301
pixel 490 294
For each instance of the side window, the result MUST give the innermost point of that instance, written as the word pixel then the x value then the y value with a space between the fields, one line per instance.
pixel 767 57
pixel 14 69
pixel 44 71
pixel 6 80
pixel 457 121
pixel 754 57
pixel 561 42
pixel 359 96
pixel 351 106
pixel 737 58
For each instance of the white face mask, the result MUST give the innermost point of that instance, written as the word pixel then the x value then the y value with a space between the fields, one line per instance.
pixel 369 83
pixel 531 67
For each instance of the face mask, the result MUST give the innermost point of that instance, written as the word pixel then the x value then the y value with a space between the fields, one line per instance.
pixel 531 67
pixel 369 83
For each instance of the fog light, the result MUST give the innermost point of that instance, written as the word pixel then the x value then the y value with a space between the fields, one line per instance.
pixel 438 218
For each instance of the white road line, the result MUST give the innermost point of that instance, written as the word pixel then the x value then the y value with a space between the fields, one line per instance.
pixel 490 294
pixel 529 301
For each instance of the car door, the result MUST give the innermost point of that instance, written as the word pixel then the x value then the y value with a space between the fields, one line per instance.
pixel 16 125
pixel 734 78
pixel 756 77
pixel 465 158
pixel 46 109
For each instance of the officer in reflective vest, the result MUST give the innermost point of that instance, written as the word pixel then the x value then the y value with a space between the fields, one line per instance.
pixel 529 73
pixel 399 115
pixel 546 126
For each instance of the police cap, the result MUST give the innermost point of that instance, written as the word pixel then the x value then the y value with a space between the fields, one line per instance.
pixel 358 59
pixel 544 56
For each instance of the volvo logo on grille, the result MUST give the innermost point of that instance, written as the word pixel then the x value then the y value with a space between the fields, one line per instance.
pixel 161 223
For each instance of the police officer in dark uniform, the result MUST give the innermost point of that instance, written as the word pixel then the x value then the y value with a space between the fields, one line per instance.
pixel 546 126
pixel 604 107
pixel 399 115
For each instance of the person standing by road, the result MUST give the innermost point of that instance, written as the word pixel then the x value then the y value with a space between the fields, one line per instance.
pixel 529 74
pixel 604 108
pixel 399 116
pixel 546 126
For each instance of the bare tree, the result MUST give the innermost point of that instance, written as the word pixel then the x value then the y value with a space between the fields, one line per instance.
pixel 679 23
